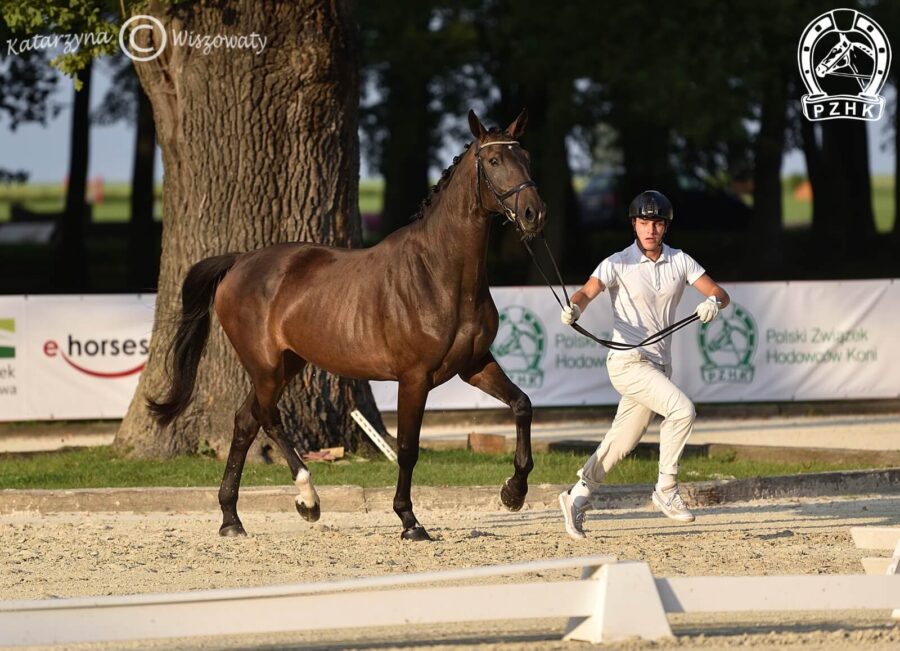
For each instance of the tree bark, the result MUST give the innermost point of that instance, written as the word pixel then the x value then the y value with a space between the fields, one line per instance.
pixel 645 157
pixel 257 149
pixel 767 226
pixel 846 221
pixel 405 155
pixel 70 264
pixel 815 169
pixel 143 254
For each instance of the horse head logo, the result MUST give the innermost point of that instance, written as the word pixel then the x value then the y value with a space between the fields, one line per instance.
pixel 829 55
pixel 520 345
pixel 727 346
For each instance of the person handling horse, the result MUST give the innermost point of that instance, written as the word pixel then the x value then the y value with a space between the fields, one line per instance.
pixel 645 282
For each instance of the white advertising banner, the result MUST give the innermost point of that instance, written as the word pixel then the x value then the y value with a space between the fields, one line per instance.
pixel 72 357
pixel 12 369
pixel 795 341
pixel 777 341
pixel 75 357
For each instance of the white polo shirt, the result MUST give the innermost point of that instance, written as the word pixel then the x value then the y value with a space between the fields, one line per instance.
pixel 645 294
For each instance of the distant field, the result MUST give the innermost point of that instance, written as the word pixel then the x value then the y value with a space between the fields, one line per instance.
pixel 49 198
pixel 798 213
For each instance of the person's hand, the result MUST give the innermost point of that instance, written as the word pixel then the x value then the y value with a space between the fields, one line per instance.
pixel 570 314
pixel 708 309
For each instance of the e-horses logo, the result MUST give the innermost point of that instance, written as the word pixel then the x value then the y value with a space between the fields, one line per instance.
pixel 727 345
pixel 519 346
pixel 835 48
pixel 102 348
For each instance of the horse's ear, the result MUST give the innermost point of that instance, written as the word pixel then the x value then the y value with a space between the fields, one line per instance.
pixel 475 126
pixel 517 127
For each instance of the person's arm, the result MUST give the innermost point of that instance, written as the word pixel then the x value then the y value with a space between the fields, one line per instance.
pixel 716 298
pixel 579 301
pixel 588 292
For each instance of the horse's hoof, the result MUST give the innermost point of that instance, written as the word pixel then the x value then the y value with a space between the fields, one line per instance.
pixel 309 514
pixel 511 500
pixel 415 533
pixel 232 530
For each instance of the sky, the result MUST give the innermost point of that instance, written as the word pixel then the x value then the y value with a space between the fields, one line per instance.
pixel 43 151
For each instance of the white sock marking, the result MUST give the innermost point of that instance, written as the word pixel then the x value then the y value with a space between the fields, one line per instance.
pixel 308 495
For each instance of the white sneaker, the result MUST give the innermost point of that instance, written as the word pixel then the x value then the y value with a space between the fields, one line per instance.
pixel 670 503
pixel 573 514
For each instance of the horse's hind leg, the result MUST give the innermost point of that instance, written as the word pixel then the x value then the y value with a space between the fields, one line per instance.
pixel 307 500
pixel 245 429
pixel 410 408
pixel 487 375
pixel 268 393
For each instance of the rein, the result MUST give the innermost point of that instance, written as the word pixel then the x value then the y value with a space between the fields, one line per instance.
pixel 512 215
pixel 615 345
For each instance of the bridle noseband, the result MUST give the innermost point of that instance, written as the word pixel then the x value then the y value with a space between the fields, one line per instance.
pixel 512 214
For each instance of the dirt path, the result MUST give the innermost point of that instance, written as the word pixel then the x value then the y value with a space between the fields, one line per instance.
pixel 71 554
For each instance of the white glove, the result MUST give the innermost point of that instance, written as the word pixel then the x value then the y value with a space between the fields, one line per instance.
pixel 708 309
pixel 570 314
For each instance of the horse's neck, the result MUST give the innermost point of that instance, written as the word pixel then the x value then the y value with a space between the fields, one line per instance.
pixel 457 230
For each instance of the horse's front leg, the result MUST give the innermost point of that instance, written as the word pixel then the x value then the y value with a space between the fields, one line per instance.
pixel 487 375
pixel 410 408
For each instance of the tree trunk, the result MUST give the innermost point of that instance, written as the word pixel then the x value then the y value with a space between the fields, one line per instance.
pixel 848 221
pixel 767 223
pixel 545 140
pixel 70 264
pixel 257 149
pixel 815 169
pixel 551 171
pixel 143 254
pixel 645 157
pixel 405 159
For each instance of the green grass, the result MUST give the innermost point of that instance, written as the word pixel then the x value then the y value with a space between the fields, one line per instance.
pixel 371 194
pixel 102 467
pixel 49 197
pixel 798 213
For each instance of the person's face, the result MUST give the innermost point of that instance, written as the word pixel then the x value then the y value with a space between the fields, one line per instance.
pixel 649 232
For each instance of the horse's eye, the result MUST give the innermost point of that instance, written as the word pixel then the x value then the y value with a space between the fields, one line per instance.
pixel 495 162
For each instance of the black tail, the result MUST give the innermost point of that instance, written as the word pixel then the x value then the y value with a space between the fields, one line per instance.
pixel 197 293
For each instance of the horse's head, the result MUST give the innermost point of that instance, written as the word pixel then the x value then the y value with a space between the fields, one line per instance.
pixel 503 175
pixel 832 60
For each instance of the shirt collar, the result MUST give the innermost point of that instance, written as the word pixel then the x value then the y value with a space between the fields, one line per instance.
pixel 637 255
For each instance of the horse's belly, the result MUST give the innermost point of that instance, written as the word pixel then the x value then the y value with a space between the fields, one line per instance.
pixel 344 361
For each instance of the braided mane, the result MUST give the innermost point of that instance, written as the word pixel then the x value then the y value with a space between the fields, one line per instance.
pixel 446 175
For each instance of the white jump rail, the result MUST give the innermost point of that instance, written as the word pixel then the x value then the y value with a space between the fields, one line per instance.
pixel 612 601
pixel 879 538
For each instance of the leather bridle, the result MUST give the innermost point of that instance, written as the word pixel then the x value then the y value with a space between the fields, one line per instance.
pixel 512 214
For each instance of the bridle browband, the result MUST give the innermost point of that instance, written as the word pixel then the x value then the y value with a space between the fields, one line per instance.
pixel 512 214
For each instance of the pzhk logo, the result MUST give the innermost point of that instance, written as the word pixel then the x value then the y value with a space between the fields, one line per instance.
pixel 7 329
pixel 844 59
pixel 520 345
pixel 727 345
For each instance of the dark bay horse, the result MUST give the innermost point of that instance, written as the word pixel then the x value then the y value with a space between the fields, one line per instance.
pixel 415 308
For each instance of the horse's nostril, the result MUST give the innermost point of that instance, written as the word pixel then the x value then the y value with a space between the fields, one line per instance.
pixel 529 215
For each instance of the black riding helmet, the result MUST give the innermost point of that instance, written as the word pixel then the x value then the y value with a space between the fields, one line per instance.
pixel 651 204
